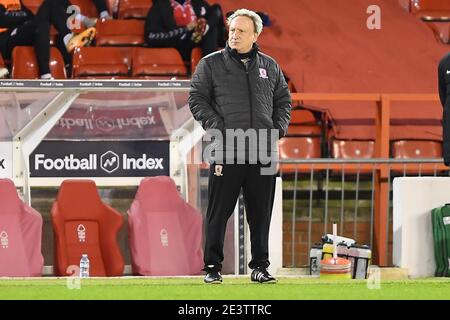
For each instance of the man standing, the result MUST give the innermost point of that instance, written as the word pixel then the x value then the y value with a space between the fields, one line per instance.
pixel 444 95
pixel 241 91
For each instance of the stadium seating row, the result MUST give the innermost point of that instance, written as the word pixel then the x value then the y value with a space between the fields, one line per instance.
pixel 122 9
pixel 164 231
pixel 435 13
pixel 305 139
pixel 90 62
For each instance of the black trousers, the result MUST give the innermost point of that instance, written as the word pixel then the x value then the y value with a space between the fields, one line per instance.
pixel 36 32
pixel 258 192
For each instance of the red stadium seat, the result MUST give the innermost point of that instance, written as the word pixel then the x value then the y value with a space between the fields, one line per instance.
pixel 436 13
pixel 24 64
pixel 165 231
pixel 353 149
pixel 82 224
pixel 303 123
pixel 100 62
pixel 431 8
pixel 298 148
pixel 410 149
pixel 158 63
pixel 413 149
pixel 134 9
pixel 120 33
pixel 20 235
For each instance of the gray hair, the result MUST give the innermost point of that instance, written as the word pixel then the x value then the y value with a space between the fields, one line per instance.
pixel 257 22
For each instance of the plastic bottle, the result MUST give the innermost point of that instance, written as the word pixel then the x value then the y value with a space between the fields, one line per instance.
pixel 328 250
pixel 84 266
pixel 364 258
pixel 342 250
pixel 315 255
pixel 360 257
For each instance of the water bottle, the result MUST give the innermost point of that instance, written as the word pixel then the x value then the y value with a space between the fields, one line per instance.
pixel 84 266
pixel 315 255
pixel 364 258
pixel 360 257
pixel 342 250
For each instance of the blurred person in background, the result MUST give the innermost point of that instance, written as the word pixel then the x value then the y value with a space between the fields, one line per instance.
pixel 185 24
pixel 20 27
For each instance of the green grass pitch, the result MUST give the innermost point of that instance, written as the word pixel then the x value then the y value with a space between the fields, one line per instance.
pixel 233 288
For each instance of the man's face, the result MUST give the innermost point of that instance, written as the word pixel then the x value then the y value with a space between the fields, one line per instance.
pixel 242 35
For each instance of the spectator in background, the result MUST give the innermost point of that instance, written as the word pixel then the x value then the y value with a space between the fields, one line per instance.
pixel 185 24
pixel 20 27
pixel 444 96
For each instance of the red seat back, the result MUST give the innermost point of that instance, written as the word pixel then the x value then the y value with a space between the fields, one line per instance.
pixel 20 235
pixel 24 63
pixel 410 149
pixel 84 224
pixel 120 33
pixel 158 63
pixel 298 148
pixel 165 231
pixel 99 62
pixel 134 9
pixel 353 149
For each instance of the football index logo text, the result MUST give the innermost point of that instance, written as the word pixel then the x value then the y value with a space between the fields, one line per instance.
pixel 109 162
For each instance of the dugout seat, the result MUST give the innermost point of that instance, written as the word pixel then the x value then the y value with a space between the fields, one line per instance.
pixel 165 232
pixel 24 63
pixel 20 235
pixel 82 223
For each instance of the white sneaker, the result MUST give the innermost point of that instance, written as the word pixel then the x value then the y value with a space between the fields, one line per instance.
pixel 4 72
pixel 89 22
pixel 47 76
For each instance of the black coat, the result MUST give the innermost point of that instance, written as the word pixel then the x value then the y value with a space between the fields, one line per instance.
pixel 161 28
pixel 224 95
pixel 444 95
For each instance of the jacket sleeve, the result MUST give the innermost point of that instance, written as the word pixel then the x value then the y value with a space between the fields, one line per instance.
pixel 441 79
pixel 201 98
pixel 282 104
pixel 159 31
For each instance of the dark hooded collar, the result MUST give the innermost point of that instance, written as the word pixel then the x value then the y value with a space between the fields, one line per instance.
pixel 240 56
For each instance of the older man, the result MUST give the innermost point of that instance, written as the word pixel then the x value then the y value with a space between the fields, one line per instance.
pixel 241 92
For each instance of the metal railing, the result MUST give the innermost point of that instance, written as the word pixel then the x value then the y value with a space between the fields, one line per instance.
pixel 352 182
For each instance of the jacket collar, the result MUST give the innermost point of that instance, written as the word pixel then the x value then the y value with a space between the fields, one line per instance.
pixel 233 52
pixel 231 55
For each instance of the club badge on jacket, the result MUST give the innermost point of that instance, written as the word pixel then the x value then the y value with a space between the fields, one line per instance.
pixel 218 170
